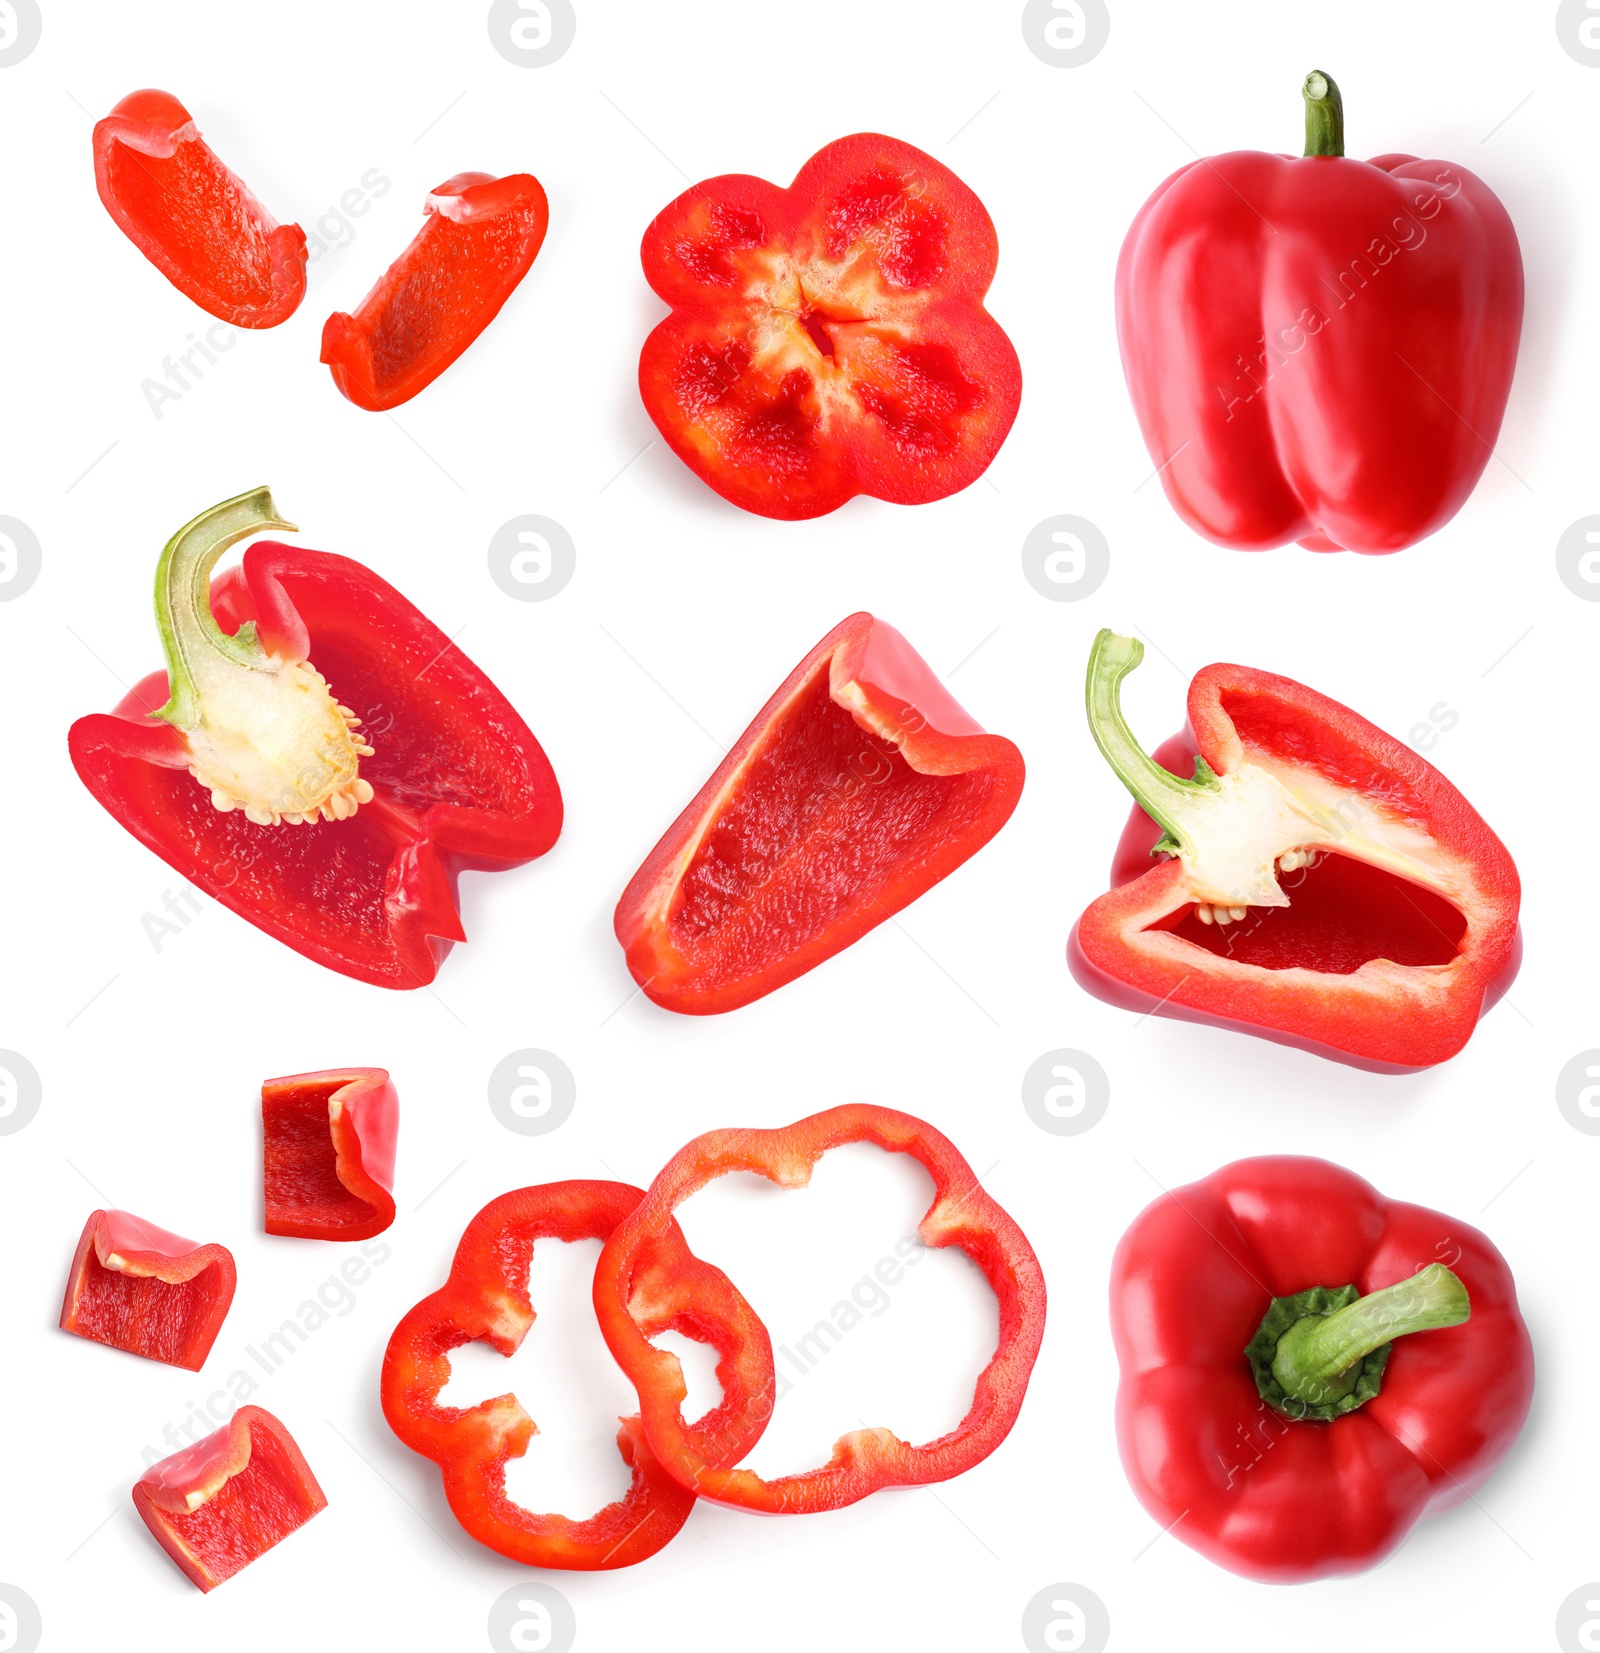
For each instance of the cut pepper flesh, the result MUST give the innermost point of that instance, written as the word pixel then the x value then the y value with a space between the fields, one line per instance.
pixel 329 1147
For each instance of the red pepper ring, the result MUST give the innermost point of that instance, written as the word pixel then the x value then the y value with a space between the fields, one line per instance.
pixel 865 1460
pixel 486 1298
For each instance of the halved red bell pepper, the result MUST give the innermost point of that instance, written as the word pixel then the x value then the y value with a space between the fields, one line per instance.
pixel 192 218
pixel 1320 883
pixel 319 756
pixel 328 1150
pixel 860 784
pixel 486 1298
pixel 1319 349
pixel 479 240
pixel 829 339
pixel 136 1287
pixel 864 1461
pixel 1309 1368
pixel 218 1506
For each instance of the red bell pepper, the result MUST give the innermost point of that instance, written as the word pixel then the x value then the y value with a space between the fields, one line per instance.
pixel 328 1150
pixel 860 784
pixel 486 1299
pixel 864 1461
pixel 480 237
pixel 829 339
pixel 1321 884
pixel 1320 349
pixel 218 1506
pixel 318 756
pixel 192 218
pixel 136 1287
pixel 1308 1368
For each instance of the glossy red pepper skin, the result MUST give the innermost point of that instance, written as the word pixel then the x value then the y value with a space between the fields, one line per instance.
pixel 1270 1497
pixel 460 781
pixel 829 339
pixel 138 1288
pixel 866 1460
pixel 858 787
pixel 218 1506
pixel 480 239
pixel 192 218
pixel 486 1299
pixel 328 1153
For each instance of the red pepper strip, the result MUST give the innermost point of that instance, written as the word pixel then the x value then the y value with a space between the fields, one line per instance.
pixel 459 781
pixel 829 339
pixel 1325 887
pixel 136 1287
pixel 865 1460
pixel 218 1506
pixel 486 1298
pixel 192 218
pixel 1320 349
pixel 479 240
pixel 858 787
pixel 329 1141
pixel 1254 1475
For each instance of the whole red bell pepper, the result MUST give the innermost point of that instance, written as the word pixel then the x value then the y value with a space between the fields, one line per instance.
pixel 480 238
pixel 829 339
pixel 136 1287
pixel 328 1143
pixel 218 1506
pixel 192 218
pixel 318 756
pixel 1308 1368
pixel 962 1215
pixel 1320 349
pixel 858 787
pixel 1319 884
pixel 486 1299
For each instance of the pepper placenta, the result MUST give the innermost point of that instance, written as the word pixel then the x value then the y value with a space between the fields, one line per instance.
pixel 829 339
pixel 1320 349
pixel 328 1144
pixel 217 1506
pixel 1308 1368
pixel 859 785
pixel 479 240
pixel 192 218
pixel 318 756
pixel 136 1287
pixel 962 1215
pixel 1319 882
pixel 486 1299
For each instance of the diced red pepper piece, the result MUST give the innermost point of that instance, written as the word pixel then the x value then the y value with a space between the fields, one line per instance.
pixel 219 1505
pixel 481 237
pixel 858 787
pixel 192 218
pixel 328 1150
pixel 136 1287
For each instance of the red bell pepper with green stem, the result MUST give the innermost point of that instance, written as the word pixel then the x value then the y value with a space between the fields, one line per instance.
pixel 1308 1368
pixel 328 1145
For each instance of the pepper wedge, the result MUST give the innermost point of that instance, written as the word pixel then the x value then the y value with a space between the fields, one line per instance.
pixel 328 1145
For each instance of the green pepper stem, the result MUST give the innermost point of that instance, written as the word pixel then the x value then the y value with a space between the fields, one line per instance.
pixel 1324 114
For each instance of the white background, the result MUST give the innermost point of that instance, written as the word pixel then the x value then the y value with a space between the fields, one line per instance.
pixel 683 615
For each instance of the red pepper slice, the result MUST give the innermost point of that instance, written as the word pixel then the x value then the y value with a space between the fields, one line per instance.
pixel 217 1506
pixel 192 218
pixel 329 1142
pixel 1324 886
pixel 829 339
pixel 479 240
pixel 486 1298
pixel 136 1287
pixel 1309 1368
pixel 858 787
pixel 1320 349
pixel 344 843
pixel 962 1215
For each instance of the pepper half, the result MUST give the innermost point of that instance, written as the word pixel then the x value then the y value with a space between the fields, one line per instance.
pixel 328 1151
pixel 858 787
